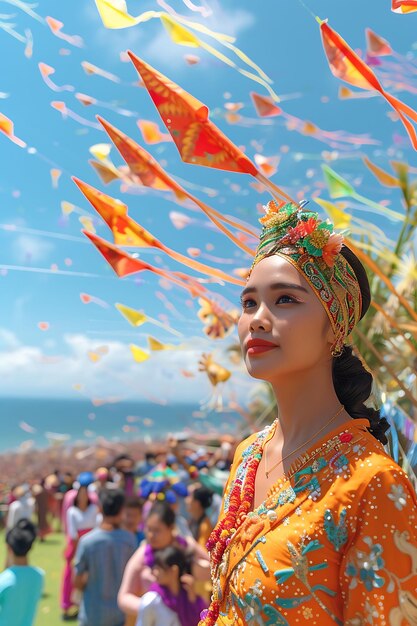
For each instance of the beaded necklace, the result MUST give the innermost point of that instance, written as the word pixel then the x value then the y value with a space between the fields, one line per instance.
pixel 239 503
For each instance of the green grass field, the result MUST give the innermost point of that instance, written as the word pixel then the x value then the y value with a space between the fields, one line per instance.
pixel 48 556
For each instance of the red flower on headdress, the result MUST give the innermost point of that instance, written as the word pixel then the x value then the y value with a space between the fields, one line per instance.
pixel 332 249
pixel 307 227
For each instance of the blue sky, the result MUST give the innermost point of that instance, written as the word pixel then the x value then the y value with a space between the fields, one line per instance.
pixel 284 39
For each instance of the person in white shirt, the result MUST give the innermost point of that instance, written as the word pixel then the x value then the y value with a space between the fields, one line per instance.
pixel 22 508
pixel 82 517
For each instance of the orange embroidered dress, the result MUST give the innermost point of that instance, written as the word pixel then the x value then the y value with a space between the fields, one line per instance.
pixel 335 542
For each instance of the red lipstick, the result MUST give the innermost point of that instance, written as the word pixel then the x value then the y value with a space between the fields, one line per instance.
pixel 259 346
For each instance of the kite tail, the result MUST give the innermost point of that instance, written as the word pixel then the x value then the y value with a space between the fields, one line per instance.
pixel 202 268
pixel 404 112
pixel 276 191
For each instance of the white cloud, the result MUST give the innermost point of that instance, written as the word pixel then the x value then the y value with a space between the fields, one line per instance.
pixel 26 371
pixel 8 339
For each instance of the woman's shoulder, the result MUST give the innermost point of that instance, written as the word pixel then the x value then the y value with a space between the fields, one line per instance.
pixel 373 467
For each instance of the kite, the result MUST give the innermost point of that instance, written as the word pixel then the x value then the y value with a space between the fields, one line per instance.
pixel 56 28
pixel 129 233
pixel 216 374
pixel 89 100
pixel 138 353
pixel 346 65
pixel 386 179
pixel 404 6
pixel 335 139
pixel 124 264
pixel 114 16
pixel 66 112
pixel 96 355
pixel 87 298
pixel 180 220
pixel 345 93
pixel 55 176
pixel 267 165
pixel 218 323
pixel 137 318
pixel 89 69
pixel 47 71
pixel 376 46
pixel 151 174
pixel 7 128
pixel 156 346
pixel 198 140
pixel 151 133
pixel 265 106
pixel 340 188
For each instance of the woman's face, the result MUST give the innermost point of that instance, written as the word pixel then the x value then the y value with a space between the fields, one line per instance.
pixel 82 498
pixel 194 507
pixel 165 576
pixel 158 534
pixel 280 307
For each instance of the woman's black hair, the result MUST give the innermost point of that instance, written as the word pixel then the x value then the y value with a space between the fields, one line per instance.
pixel 204 496
pixel 88 496
pixel 21 537
pixel 164 513
pixel 352 382
pixel 173 555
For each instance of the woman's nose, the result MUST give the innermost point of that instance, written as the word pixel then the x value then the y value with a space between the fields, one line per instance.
pixel 260 320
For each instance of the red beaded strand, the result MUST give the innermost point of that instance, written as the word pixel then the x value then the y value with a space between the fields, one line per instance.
pixel 240 501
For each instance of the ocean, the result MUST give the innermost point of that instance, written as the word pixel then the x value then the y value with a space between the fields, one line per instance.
pixel 43 420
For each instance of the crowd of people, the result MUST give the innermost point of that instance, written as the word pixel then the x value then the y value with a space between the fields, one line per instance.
pixel 135 535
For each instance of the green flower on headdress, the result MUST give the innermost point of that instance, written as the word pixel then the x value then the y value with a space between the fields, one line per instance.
pixel 317 240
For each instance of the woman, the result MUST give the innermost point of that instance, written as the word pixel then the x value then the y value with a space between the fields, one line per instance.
pixel 318 523
pixel 198 502
pixel 81 517
pixel 159 534
pixel 172 599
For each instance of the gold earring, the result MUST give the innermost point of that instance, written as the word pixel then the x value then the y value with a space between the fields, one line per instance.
pixel 337 348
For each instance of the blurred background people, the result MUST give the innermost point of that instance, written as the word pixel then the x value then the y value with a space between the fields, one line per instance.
pixel 160 532
pixel 171 599
pixel 20 584
pixel 100 561
pixel 198 502
pixel 81 518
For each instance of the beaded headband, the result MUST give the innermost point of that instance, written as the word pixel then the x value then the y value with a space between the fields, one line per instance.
pixel 312 247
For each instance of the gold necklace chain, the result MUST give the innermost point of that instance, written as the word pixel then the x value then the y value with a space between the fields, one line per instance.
pixel 268 472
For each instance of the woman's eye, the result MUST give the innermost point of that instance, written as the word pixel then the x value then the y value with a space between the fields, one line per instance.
pixel 286 300
pixel 248 302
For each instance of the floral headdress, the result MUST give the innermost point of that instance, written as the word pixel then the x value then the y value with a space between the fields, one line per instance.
pixel 313 248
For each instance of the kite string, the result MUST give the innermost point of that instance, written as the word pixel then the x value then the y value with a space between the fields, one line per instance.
pixel 307 8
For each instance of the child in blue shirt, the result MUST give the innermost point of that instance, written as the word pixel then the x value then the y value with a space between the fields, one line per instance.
pixel 21 585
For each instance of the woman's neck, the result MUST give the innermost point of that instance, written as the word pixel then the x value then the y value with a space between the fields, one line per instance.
pixel 19 561
pixel 306 402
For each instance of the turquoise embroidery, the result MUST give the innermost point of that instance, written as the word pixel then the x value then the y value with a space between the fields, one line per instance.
pixel 299 561
pixel 287 495
pixel 338 535
pixel 365 567
pixel 261 561
pixel 254 609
